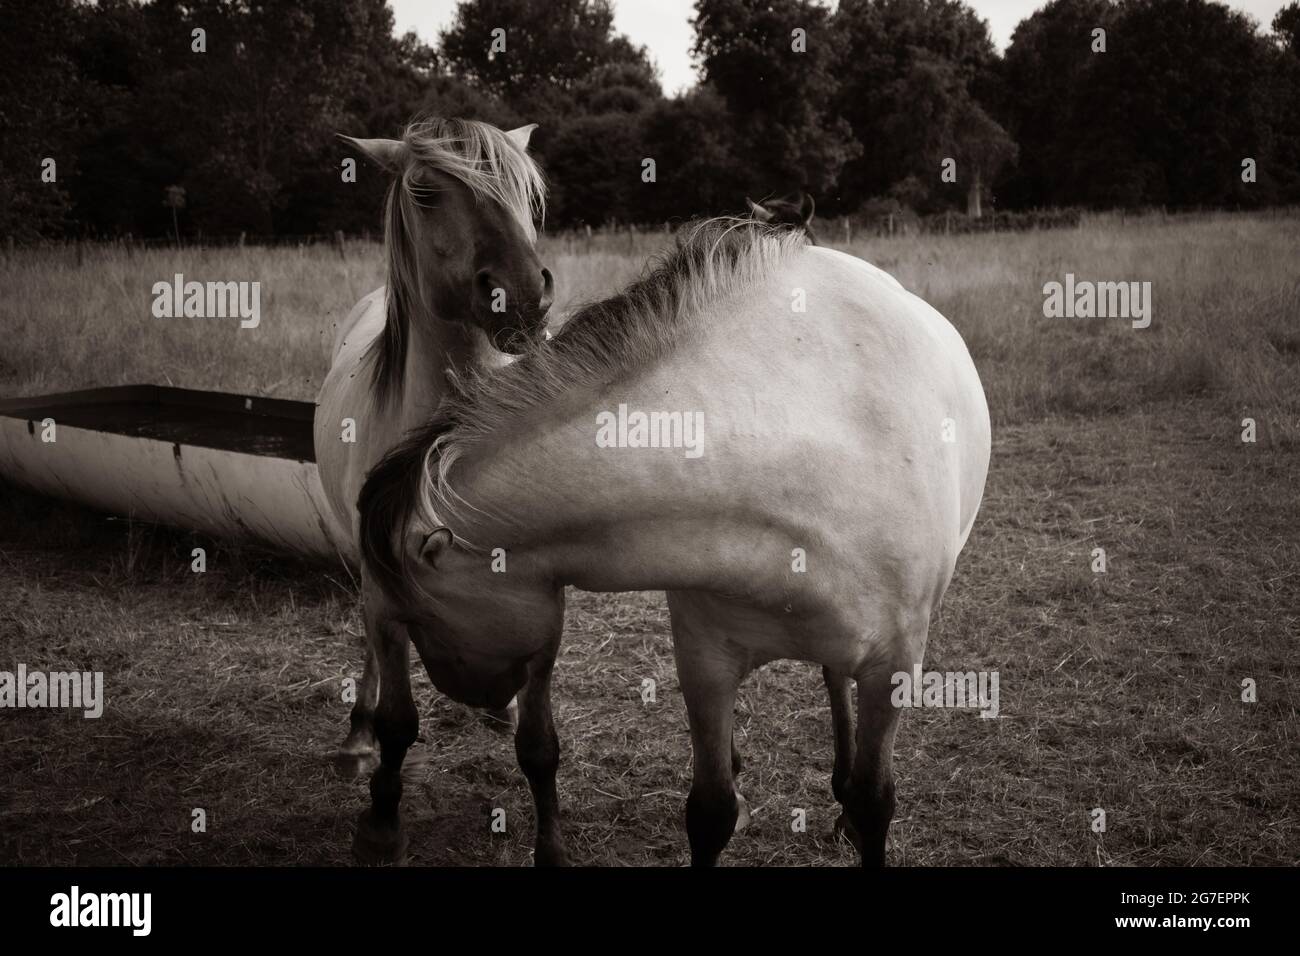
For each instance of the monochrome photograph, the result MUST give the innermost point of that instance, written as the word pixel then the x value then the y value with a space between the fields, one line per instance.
pixel 767 434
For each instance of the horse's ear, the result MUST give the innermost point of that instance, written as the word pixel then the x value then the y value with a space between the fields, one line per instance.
pixel 388 153
pixel 522 135
pixel 435 543
pixel 806 208
pixel 757 211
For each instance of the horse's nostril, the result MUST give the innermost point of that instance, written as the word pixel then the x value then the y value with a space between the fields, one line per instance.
pixel 548 290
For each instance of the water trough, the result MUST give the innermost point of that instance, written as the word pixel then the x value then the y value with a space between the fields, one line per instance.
pixel 233 466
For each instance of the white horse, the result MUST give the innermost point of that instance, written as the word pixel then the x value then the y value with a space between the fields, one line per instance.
pixel 800 482
pixel 464 287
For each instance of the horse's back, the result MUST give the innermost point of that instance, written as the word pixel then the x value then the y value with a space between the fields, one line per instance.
pixel 919 417
pixel 862 417
pixel 918 392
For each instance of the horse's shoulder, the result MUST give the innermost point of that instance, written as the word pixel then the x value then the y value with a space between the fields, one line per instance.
pixel 363 322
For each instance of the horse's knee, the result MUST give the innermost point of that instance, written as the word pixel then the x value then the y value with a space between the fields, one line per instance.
pixel 711 814
pixel 538 751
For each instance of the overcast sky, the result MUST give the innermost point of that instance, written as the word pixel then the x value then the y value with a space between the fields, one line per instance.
pixel 663 25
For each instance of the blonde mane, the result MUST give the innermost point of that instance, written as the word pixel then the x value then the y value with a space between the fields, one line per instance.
pixel 602 343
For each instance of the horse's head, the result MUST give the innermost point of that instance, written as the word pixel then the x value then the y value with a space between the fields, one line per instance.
pixel 459 228
pixel 786 212
pixel 476 617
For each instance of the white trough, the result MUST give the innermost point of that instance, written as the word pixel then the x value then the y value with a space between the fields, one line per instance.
pixel 228 465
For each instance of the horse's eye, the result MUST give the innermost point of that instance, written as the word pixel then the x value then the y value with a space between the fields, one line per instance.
pixel 425 195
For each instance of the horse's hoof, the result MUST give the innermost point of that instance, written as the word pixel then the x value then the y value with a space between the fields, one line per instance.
pixel 377 845
pixel 350 765
pixel 742 817
pixel 550 856
pixel 504 720
pixel 844 828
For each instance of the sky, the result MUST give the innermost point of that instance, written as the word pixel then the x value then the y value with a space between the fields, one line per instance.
pixel 664 27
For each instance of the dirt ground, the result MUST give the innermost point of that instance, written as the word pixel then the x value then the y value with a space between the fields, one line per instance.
pixel 1119 690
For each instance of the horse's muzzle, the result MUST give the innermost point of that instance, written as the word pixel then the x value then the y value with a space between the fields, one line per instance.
pixel 489 682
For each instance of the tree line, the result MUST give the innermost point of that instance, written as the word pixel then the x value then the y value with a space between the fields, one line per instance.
pixel 218 116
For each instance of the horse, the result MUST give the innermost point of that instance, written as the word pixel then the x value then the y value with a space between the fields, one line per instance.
pixel 465 288
pixel 817 517
pixel 786 212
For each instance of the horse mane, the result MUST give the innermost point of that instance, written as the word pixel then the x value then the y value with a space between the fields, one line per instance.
pixel 493 167
pixel 602 343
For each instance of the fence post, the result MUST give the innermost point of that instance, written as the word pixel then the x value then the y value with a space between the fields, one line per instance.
pixel 338 244
pixel 241 239
pixel 891 225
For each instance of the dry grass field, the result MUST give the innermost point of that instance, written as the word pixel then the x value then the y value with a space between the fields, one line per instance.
pixel 1119 690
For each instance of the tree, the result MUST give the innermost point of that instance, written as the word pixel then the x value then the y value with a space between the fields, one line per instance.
pixel 593 162
pixel 911 74
pixel 1049 75
pixel 690 137
pixel 772 62
pixel 1280 111
pixel 39 113
pixel 1178 102
pixel 944 123
pixel 1286 27
pixel 275 83
pixel 516 49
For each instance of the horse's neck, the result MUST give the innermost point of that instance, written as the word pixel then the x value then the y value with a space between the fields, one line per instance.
pixel 617 518
pixel 435 351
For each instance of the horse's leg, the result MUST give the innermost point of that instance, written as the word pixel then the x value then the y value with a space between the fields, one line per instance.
pixel 380 837
pixel 737 765
pixel 359 752
pixel 709 680
pixel 840 692
pixel 538 749
pixel 871 781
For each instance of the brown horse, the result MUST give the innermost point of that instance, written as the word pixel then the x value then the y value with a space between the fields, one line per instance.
pixel 465 287
pixel 800 482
